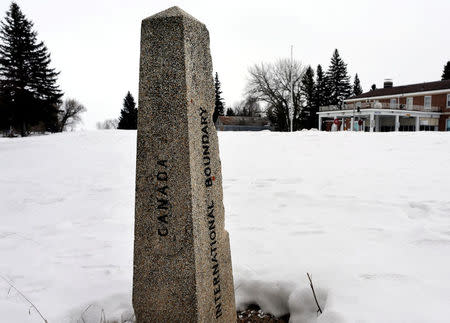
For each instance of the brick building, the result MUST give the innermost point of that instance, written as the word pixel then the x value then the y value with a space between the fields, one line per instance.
pixel 414 107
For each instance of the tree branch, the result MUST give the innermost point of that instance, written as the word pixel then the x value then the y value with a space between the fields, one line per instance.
pixel 314 293
pixel 21 294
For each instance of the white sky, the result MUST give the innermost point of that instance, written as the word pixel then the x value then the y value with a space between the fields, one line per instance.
pixel 95 43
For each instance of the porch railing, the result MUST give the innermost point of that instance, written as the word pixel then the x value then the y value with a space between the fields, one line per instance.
pixel 379 105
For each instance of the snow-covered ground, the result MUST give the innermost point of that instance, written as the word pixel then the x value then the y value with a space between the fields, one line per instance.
pixel 368 215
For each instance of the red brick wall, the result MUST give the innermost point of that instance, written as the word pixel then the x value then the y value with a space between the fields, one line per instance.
pixel 437 100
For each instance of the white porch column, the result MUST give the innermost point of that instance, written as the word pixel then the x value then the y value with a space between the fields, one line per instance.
pixel 352 123
pixel 364 126
pixel 397 122
pixel 342 124
pixel 417 123
pixel 320 123
pixel 372 122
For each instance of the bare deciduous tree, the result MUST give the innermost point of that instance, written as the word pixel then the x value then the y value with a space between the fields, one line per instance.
pixel 249 107
pixel 70 114
pixel 108 124
pixel 273 84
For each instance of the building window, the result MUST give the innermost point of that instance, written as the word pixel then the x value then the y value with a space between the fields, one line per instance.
pixel 448 125
pixel 448 101
pixel 427 102
pixel 393 103
pixel 409 103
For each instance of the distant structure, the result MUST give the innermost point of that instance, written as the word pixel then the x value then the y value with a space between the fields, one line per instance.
pixel 414 107
pixel 238 123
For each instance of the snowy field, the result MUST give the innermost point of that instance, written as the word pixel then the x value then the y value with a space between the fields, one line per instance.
pixel 368 215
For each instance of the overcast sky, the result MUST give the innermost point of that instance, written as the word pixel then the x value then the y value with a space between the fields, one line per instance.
pixel 95 43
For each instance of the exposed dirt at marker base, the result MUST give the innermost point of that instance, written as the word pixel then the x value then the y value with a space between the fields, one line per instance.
pixel 254 314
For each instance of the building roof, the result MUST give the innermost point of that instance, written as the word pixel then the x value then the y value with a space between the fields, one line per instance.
pixel 403 89
pixel 244 121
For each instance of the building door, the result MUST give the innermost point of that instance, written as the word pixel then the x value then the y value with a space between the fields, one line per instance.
pixel 448 125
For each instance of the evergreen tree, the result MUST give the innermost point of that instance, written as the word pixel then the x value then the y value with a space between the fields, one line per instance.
pixel 219 106
pixel 128 114
pixel 29 86
pixel 322 92
pixel 338 80
pixel 357 90
pixel 308 88
pixel 446 73
pixel 5 109
pixel 230 112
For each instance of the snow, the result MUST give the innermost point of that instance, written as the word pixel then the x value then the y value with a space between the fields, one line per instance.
pixel 368 215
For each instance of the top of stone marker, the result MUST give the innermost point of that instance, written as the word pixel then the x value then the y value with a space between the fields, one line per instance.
pixel 172 12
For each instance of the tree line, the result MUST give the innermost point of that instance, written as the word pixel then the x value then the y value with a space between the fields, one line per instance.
pixel 30 98
pixel 287 88
pixel 271 84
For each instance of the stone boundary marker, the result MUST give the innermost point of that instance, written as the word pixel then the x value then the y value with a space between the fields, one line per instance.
pixel 182 260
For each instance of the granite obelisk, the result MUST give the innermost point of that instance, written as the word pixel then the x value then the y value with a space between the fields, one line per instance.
pixel 182 260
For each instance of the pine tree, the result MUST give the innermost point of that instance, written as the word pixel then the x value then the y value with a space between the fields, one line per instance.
pixel 446 73
pixel 357 90
pixel 338 80
pixel 322 92
pixel 5 109
pixel 128 114
pixel 230 112
pixel 28 83
pixel 308 88
pixel 219 105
